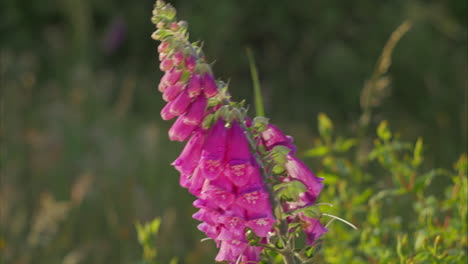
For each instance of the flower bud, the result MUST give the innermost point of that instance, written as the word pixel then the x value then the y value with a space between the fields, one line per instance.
pixel 178 58
pixel 163 47
pixel 194 86
pixel 173 76
pixel 166 113
pixel 166 64
pixel 196 111
pixel 210 88
pixel 174 26
pixel 163 83
pixel 162 56
pixel 190 63
pixel 172 91
pixel 180 131
pixel 180 104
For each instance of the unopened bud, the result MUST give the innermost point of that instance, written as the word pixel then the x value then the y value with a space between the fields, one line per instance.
pixel 174 26
pixel 163 47
pixel 178 58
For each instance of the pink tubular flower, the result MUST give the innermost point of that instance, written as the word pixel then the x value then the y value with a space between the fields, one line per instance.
pixel 190 156
pixel 209 85
pixel 212 162
pixel 194 87
pixel 298 170
pixel 180 104
pixel 239 170
pixel 166 111
pixel 172 91
pixel 173 76
pixel 162 48
pixel 178 58
pixel 273 136
pixel 190 63
pixel 166 64
pixel 229 157
pixel 312 228
pixel 180 131
pixel 196 111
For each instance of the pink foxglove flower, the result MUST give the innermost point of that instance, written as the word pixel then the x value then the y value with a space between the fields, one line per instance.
pixel 190 63
pixel 180 103
pixel 180 131
pixel 213 154
pixel 197 111
pixel 225 163
pixel 172 91
pixel 209 85
pixel 194 87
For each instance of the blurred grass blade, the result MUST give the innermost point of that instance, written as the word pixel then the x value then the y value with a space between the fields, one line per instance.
pixel 256 84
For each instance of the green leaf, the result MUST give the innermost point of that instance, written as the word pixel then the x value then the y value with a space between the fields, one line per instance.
pixel 418 149
pixel 256 84
pixel 325 125
pixel 383 132
pixel 317 151
pixel 290 190
pixel 344 145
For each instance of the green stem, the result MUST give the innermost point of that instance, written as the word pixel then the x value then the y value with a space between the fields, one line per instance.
pixel 256 84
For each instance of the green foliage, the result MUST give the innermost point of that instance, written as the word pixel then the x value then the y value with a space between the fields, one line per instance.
pixel 147 238
pixel 387 192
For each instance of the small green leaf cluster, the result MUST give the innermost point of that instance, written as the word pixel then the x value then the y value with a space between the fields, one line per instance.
pixel 406 211
pixel 147 238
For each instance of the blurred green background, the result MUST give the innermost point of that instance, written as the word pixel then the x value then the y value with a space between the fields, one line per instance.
pixel 85 154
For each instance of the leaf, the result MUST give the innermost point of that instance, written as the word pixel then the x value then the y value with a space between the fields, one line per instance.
pixel 325 125
pixel 417 156
pixel 383 132
pixel 290 190
pixel 317 151
pixel 344 145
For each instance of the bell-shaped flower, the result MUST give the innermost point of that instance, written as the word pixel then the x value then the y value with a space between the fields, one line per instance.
pixel 190 157
pixel 230 251
pixel 213 154
pixel 254 201
pixel 296 169
pixel 180 131
pixel 233 228
pixel 251 255
pixel 210 88
pixel 209 230
pixel 196 182
pixel 218 194
pixel 238 156
pixel 273 136
pixel 196 111
pixel 180 104
pixel 261 226
pixel 207 215
pixel 312 228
